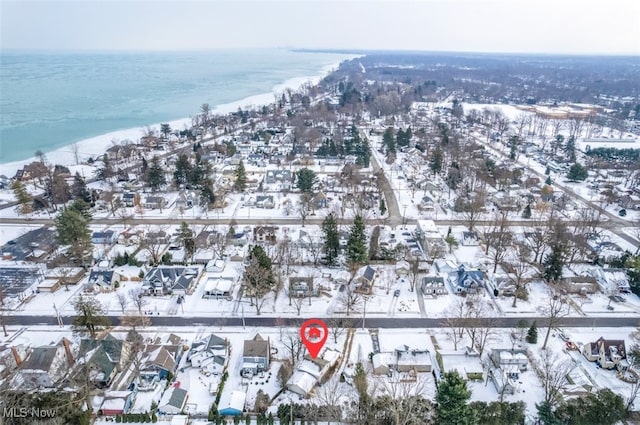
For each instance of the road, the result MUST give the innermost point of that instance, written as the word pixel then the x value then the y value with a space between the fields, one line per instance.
pixel 371 322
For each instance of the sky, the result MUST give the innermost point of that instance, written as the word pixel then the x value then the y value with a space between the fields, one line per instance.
pixel 513 26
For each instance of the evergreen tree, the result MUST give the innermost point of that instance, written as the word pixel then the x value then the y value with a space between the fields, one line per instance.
pixel 79 189
pixel 570 148
pixel 548 181
pixel 526 213
pixel 240 183
pixel 546 415
pixel 383 206
pixel 554 262
pixel 357 243
pixel 81 208
pixel 305 179
pixel 24 198
pixel 532 334
pixel 182 171
pixel 188 242
pixel 331 239
pixel 577 172
pixel 165 129
pixel 389 141
pixel 155 175
pixel 452 397
pixel 73 229
pixel 435 162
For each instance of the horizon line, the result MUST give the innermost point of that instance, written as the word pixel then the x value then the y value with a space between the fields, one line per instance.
pixel 346 50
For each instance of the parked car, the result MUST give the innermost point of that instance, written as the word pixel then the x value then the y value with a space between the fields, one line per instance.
pixel 396 293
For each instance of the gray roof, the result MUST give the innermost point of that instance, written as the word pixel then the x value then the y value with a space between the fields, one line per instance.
pixel 256 347
pixel 21 248
pixel 40 358
pixel 178 398
pixel 16 279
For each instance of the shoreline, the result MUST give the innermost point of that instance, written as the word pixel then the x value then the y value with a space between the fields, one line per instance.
pixel 97 145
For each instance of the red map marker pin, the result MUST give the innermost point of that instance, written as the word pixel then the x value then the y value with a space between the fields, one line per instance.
pixel 314 333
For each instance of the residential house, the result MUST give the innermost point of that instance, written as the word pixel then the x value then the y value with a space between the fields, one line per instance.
pixel 5 182
pixel 319 200
pixel 237 238
pixel 431 239
pixel 408 359
pixel 265 201
pixel 278 176
pixel 232 403
pixel 402 268
pixel 467 281
pixel 264 234
pixel 310 372
pixel 402 359
pixel 581 285
pixel 19 282
pixel 504 285
pixel 108 237
pixel 173 401
pixel 609 278
pixel 101 280
pixel 512 361
pixel 211 352
pixel 608 353
pixel 128 199
pixel 433 286
pixel 164 280
pixel 159 237
pixel 300 286
pixel 155 202
pixel 365 280
pixel 255 355
pixel 106 357
pixel 44 367
pixel 116 403
pixel 383 363
pixel 218 286
pixel 31 246
pixel 470 239
pixel 158 361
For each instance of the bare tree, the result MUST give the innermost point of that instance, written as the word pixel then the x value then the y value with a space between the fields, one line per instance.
pixel 404 402
pixel 292 344
pixel 518 267
pixel 337 326
pixel 154 243
pixel 122 300
pixel 498 239
pixel 304 207
pixel 136 348
pixel 414 273
pixel 137 298
pixel 349 299
pixel 555 308
pixel 455 321
pixel 553 374
pixel 332 394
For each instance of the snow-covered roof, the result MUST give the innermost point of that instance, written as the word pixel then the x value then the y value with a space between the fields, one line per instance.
pixel 232 400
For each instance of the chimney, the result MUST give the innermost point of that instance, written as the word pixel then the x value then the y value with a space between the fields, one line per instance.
pixel 16 356
pixel 67 350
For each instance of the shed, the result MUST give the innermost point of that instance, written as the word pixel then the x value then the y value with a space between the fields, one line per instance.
pixel 232 404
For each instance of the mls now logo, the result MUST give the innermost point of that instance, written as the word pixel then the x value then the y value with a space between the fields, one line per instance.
pixel 28 412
